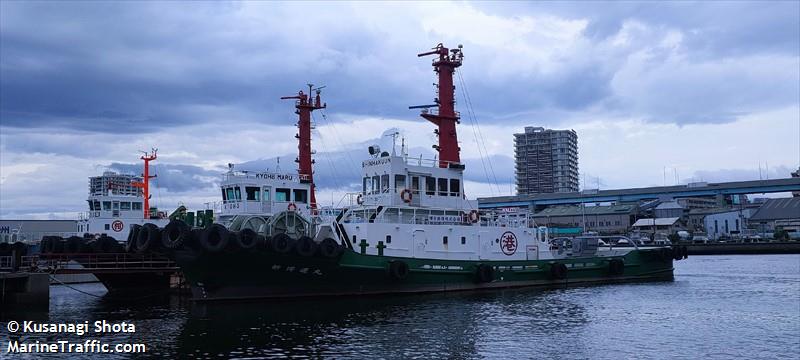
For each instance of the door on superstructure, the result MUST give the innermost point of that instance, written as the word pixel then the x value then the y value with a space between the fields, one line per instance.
pixel 266 200
pixel 419 243
pixel 485 241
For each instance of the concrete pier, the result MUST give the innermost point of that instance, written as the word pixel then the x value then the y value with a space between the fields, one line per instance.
pixel 25 289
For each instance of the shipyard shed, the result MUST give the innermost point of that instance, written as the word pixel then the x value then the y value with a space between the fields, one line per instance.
pixel 32 231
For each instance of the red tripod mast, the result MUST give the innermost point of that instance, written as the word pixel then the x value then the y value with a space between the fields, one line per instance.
pixel 305 105
pixel 446 117
pixel 145 184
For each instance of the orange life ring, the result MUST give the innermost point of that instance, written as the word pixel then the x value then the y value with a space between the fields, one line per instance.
pixel 291 207
pixel 406 196
pixel 474 216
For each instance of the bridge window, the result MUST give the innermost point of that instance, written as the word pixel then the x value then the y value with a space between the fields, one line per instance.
pixel 442 187
pixel 91 205
pixel 282 194
pixel 430 185
pixel 116 205
pixel 301 195
pixel 265 197
pixel 238 192
pixel 231 194
pixel 364 186
pixel 455 187
pixel 136 206
pixel 253 193
pixel 376 184
pixel 224 195
pixel 107 205
pixel 385 183
pixel 125 205
pixel 399 182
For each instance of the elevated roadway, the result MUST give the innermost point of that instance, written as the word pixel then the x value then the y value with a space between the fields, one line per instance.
pixel 647 193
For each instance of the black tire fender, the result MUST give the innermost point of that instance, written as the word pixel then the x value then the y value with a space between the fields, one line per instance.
pixel 306 246
pixel 484 273
pixel 329 248
pixel 147 238
pixel 175 234
pixel 247 240
pixel 282 244
pixel 130 244
pixel 558 271
pixel 215 238
pixel 398 270
pixel 616 267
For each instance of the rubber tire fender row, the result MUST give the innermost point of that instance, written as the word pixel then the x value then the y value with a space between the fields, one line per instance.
pixel 148 238
pixel 130 245
pixel 175 234
pixel 283 244
pixel 215 238
pixel 306 246
pixel 398 270
pixel 329 248
pixel 558 271
pixel 616 267
pixel 105 244
pixel 484 273
pixel 74 244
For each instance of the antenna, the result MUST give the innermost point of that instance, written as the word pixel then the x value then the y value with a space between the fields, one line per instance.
pixel 394 142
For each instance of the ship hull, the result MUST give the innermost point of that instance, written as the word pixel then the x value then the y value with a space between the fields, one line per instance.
pixel 260 275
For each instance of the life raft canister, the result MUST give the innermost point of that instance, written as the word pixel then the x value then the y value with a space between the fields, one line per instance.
pixel 406 196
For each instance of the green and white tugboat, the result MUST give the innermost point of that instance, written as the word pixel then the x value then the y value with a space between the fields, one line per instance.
pixel 409 230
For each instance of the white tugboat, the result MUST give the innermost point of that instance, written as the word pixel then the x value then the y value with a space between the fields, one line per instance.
pixel 118 201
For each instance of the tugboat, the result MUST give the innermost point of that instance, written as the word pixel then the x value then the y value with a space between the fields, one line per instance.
pixel 119 201
pixel 410 230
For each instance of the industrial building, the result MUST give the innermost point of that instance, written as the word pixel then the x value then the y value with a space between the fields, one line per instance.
pixel 612 219
pixel 546 161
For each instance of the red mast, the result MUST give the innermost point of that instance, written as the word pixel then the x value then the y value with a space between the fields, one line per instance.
pixel 305 105
pixel 145 184
pixel 446 118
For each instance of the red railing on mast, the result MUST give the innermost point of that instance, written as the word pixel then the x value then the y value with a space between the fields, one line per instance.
pixel 305 104
pixel 446 117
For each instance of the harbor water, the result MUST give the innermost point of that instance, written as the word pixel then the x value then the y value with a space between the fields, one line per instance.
pixel 718 307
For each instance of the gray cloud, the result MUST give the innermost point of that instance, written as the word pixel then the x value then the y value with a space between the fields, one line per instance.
pixel 175 178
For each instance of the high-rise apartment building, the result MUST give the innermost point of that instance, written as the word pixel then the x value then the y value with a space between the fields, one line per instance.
pixel 546 160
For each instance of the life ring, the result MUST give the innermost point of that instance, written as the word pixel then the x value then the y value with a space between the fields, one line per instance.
pixel 474 216
pixel 406 196
pixel 291 207
pixel 360 199
pixel 398 270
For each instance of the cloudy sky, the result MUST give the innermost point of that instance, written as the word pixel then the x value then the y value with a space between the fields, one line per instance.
pixel 658 93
